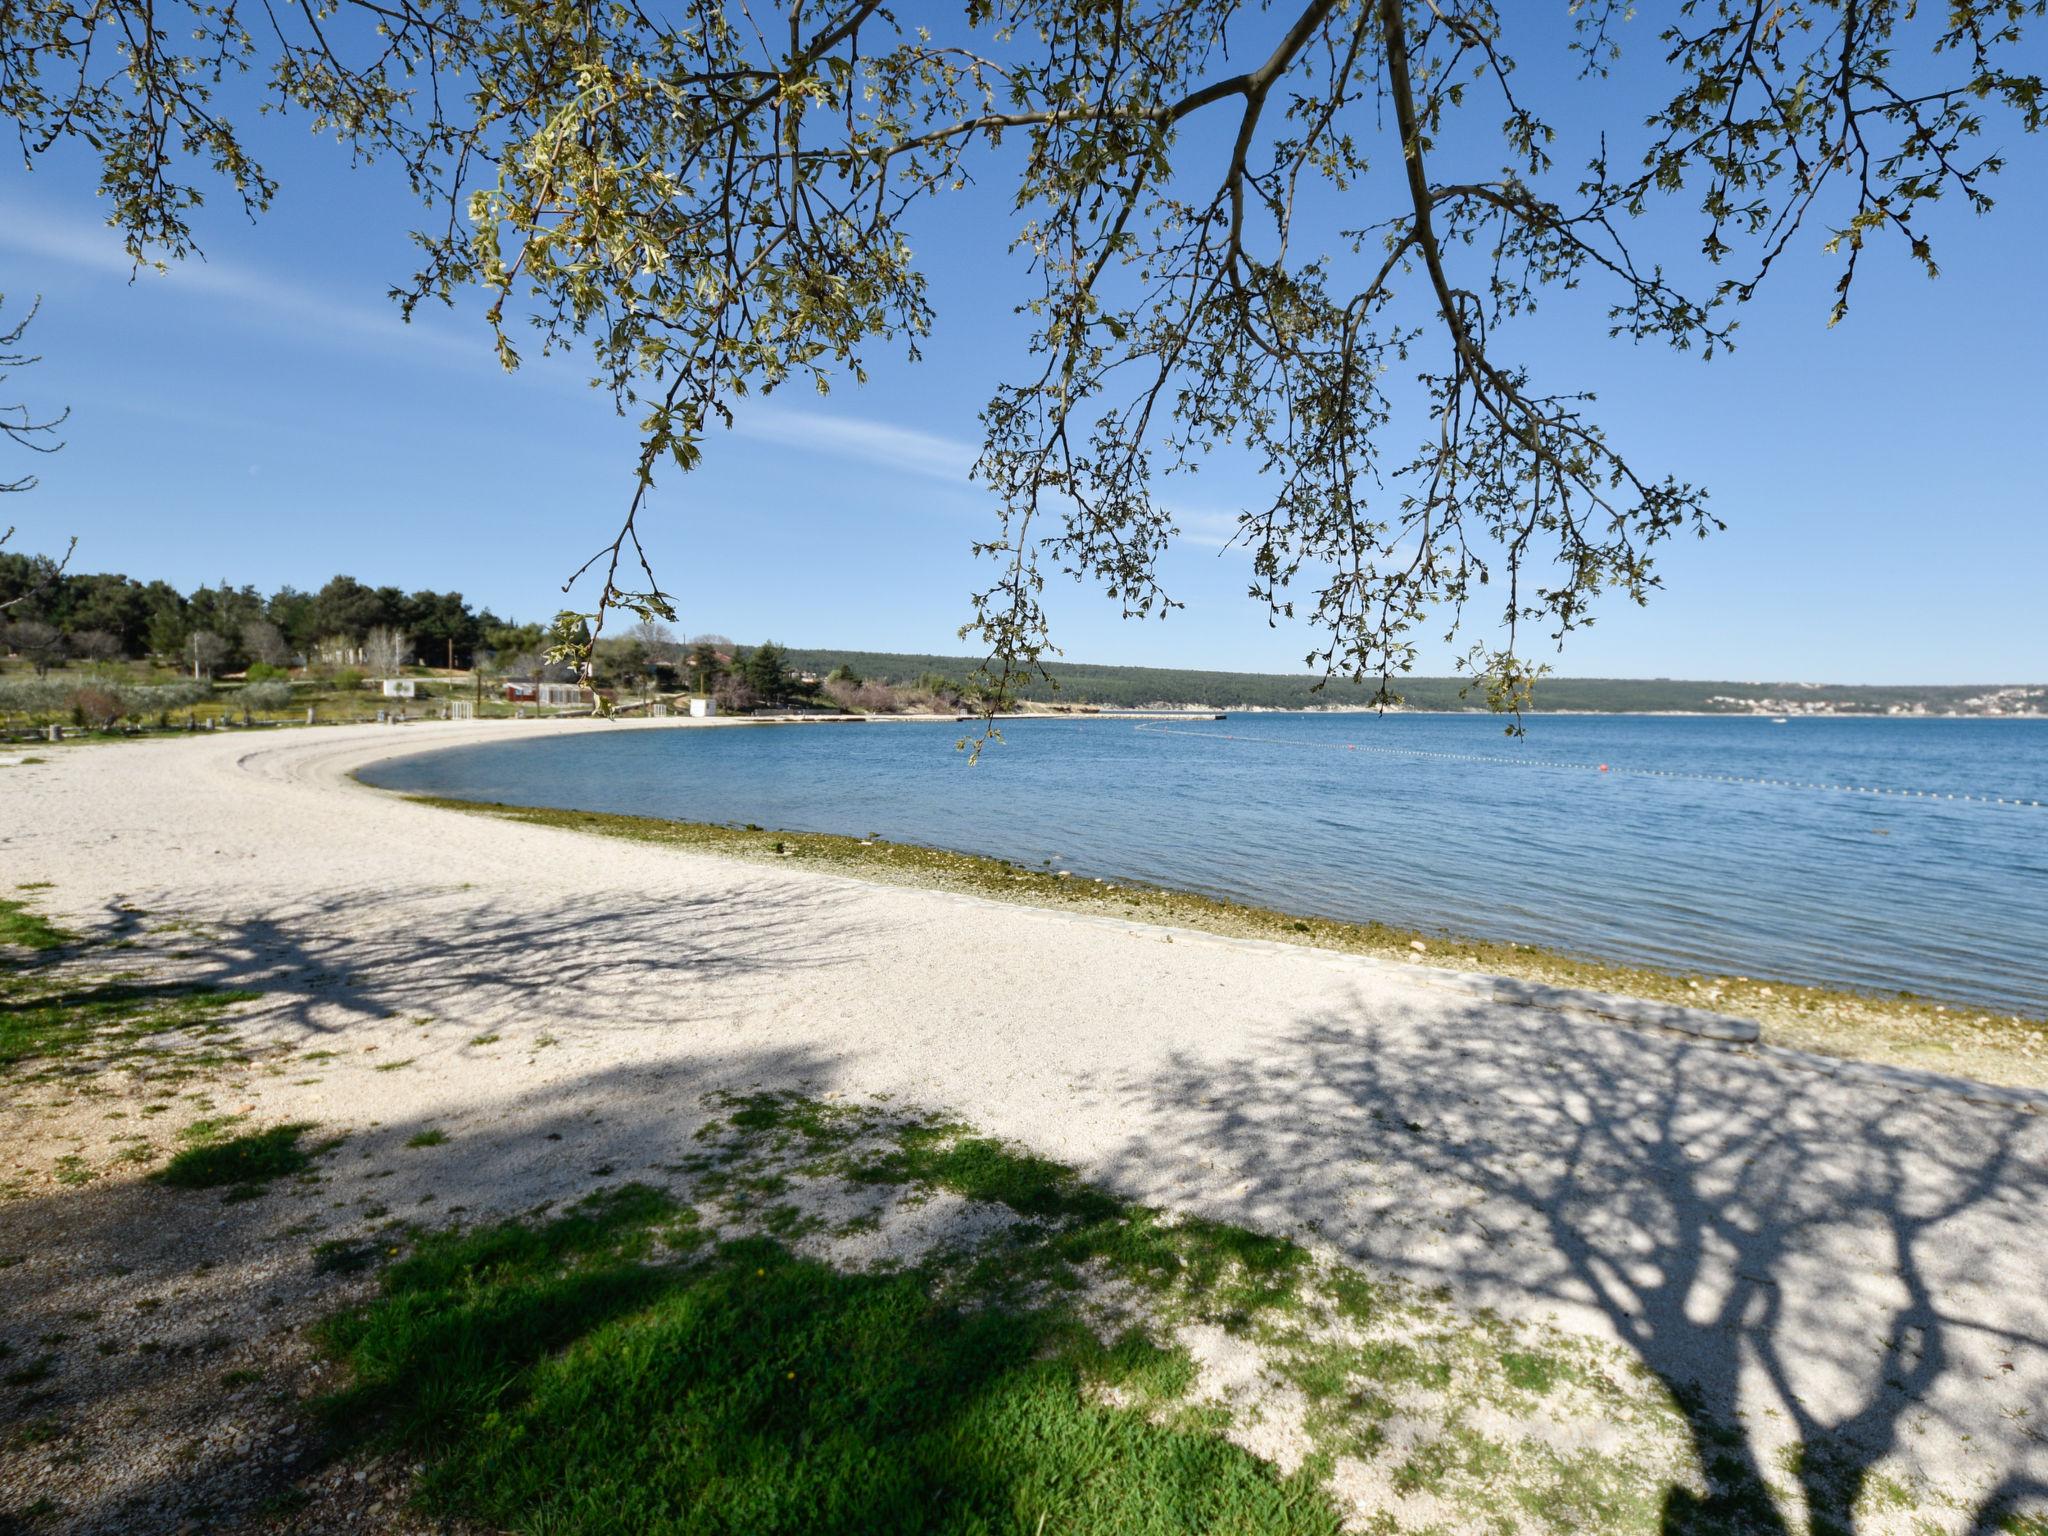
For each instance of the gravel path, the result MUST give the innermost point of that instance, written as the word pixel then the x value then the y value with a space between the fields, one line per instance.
pixel 1829 1260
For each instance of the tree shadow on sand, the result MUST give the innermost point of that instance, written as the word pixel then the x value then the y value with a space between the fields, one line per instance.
pixel 1829 1280
pixel 320 966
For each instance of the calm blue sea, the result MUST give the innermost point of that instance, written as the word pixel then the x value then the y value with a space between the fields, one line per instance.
pixel 1721 844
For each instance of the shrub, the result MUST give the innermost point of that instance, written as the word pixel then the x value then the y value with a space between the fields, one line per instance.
pixel 735 694
pixel 864 698
pixel 267 695
pixel 165 697
pixel 96 708
pixel 347 680
pixel 34 699
pixel 263 672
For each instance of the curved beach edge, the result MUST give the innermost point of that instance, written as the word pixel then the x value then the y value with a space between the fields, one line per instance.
pixel 1723 1029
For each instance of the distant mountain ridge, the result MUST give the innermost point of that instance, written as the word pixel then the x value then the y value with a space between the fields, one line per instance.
pixel 1083 683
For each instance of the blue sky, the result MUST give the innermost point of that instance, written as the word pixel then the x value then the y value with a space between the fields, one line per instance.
pixel 264 417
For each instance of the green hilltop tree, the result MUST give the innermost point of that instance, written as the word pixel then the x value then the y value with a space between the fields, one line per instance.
pixel 766 669
pixel 702 663
pixel 716 203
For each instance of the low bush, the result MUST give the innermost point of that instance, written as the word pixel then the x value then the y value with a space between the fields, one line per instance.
pixel 267 695
pixel 163 698
pixel 36 700
pixel 862 698
pixel 97 708
pixel 98 704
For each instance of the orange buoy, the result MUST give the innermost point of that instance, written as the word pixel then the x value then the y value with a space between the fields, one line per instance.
pixel 1603 767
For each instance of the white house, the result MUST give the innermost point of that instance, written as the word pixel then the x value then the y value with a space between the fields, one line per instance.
pixel 521 690
pixel 703 709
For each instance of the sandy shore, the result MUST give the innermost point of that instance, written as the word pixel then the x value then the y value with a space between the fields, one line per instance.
pixel 1817 1255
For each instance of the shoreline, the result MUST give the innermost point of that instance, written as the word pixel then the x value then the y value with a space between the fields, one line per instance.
pixel 1957 1041
pixel 1947 1037
pixel 14 745
pixel 1916 1033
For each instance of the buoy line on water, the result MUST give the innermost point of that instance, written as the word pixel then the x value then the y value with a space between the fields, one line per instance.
pixel 1590 767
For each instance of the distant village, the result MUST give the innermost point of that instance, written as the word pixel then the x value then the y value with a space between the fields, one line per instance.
pixel 2023 701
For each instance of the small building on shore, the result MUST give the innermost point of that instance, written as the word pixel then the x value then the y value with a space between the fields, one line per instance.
pixel 523 690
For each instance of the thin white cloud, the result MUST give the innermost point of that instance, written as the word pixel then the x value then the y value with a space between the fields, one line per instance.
pixel 318 316
pixel 911 450
pixel 314 314
pixel 1211 530
pixel 75 245
pixel 907 449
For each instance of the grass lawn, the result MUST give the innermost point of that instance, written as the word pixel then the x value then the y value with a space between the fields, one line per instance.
pixel 840 1319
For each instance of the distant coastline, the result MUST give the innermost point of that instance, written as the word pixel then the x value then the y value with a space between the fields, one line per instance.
pixel 1086 684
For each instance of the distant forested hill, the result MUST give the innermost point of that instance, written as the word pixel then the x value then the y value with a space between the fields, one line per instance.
pixel 1136 687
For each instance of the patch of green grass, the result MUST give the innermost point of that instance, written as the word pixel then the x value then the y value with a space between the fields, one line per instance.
pixel 550 1376
pixel 1353 1296
pixel 484 1039
pixel 208 1128
pixel 104 1018
pixel 244 1161
pixel 643 1361
pixel 429 1138
pixel 980 1168
pixel 1530 1372
pixel 25 928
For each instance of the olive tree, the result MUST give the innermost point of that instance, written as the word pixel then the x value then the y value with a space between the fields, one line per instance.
pixel 96 645
pixel 713 202
pixel 41 645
